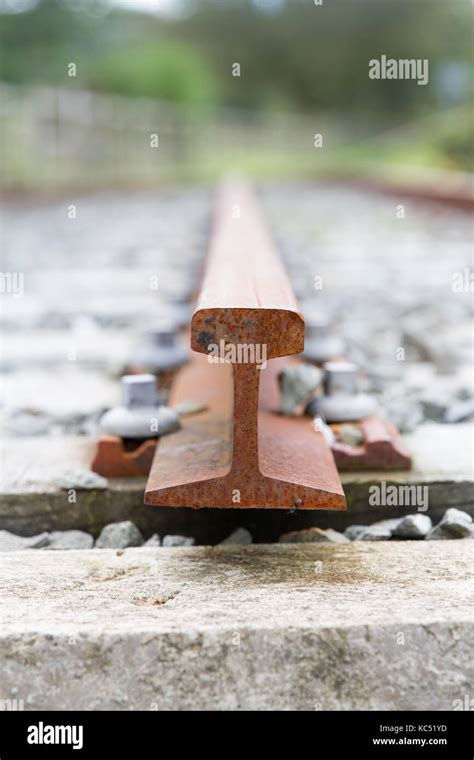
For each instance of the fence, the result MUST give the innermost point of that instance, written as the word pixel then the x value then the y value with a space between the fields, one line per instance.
pixel 58 137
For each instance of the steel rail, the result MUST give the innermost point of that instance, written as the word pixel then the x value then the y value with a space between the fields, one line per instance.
pixel 240 453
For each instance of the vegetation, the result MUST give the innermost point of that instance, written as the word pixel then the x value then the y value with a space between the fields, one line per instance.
pixel 300 56
pixel 295 58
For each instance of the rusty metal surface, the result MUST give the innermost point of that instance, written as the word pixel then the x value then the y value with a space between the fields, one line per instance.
pixel 200 467
pixel 383 448
pixel 245 296
pixel 114 459
pixel 457 192
pixel 240 453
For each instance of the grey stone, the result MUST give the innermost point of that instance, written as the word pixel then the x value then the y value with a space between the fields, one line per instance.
pixel 9 542
pixel 119 536
pixel 297 383
pixel 350 434
pixel 69 539
pixel 278 627
pixel 27 423
pixel 241 536
pixel 430 346
pixel 38 542
pixel 413 526
pixel 450 529
pixel 378 531
pixel 460 411
pixel 406 414
pixel 352 532
pixel 312 408
pixel 457 514
pixel 170 541
pixel 434 406
pixel 374 533
pixel 154 540
pixel 313 535
pixel 79 479
pixel 454 524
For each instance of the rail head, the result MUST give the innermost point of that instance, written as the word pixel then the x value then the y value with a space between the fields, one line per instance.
pixel 245 296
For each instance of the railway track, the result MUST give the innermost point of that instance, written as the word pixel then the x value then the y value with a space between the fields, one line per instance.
pixel 240 453
pixel 454 189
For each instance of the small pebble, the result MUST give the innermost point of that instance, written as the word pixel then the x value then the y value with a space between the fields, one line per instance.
pixel 454 524
pixel 119 536
pixel 374 533
pixel 313 535
pixel 155 540
pixel 179 541
pixel 406 414
pixel 354 531
pixel 69 539
pixel 460 411
pixel 378 531
pixel 81 479
pixel 9 542
pixel 241 536
pixel 413 526
pixel 297 382
pixel 350 434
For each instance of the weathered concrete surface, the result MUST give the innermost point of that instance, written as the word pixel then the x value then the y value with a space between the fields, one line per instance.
pixel 31 502
pixel 262 627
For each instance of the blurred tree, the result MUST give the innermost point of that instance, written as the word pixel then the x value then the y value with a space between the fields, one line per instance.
pixel 455 140
pixel 292 52
pixel 164 70
pixel 37 45
pixel 316 57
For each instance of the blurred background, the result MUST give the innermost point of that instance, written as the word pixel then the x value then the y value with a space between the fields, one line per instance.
pixel 118 117
pixel 137 92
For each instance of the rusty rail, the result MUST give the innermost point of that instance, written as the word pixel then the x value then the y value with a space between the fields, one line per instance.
pixel 450 189
pixel 240 453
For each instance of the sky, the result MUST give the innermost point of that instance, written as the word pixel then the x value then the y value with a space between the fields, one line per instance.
pixel 174 8
pixel 162 7
pixel 152 6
